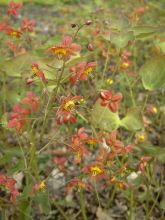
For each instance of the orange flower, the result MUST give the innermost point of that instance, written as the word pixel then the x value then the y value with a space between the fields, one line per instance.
pixel 66 49
pixel 81 71
pixel 78 184
pixel 13 32
pixel 65 112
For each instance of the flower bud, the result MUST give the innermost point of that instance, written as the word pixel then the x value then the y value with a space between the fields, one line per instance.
pixel 90 47
pixel 89 22
pixel 29 81
pixel 73 25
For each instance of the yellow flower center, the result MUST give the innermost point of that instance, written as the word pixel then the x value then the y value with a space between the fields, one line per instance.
pixel 14 33
pixel 42 185
pixel 88 70
pixel 125 65
pixel 69 105
pixel 91 141
pixel 155 110
pixel 60 52
pixel 95 170
pixel 35 70
pixel 141 137
pixel 110 81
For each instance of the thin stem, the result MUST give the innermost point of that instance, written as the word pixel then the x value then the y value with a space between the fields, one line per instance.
pixel 131 205
pixel 49 104
pixel 97 194
pixel 106 63
pixel 111 197
pixel 82 205
pixel 130 89
pixel 60 210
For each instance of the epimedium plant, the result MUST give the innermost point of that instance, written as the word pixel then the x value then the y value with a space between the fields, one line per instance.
pixel 100 135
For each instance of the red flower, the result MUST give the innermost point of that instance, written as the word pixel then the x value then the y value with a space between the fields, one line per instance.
pixel 27 25
pixel 81 71
pixel 38 72
pixel 95 170
pixel 3 27
pixel 78 184
pixel 17 117
pixel 9 183
pixel 110 100
pixel 11 45
pixel 13 8
pixel 65 49
pixel 31 100
pixel 65 112
pixel 143 162
pixel 78 144
pixel 118 183
pixel 13 32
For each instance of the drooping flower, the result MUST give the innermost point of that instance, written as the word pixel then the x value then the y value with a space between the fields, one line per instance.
pixel 13 32
pixel 31 100
pixel 151 109
pixel 9 183
pixel 81 71
pixel 19 112
pixel 38 72
pixel 65 112
pixel 13 8
pixel 118 183
pixel 4 26
pixel 39 186
pixel 17 117
pixel 78 184
pixel 78 146
pixel 143 162
pixel 110 100
pixel 11 45
pixel 27 25
pixel 66 49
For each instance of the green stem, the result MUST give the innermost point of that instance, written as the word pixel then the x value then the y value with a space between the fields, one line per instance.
pixel 130 89
pixel 97 194
pixel 49 104
pixel 60 210
pixel 131 205
pixel 111 197
pixel 82 205
pixel 106 63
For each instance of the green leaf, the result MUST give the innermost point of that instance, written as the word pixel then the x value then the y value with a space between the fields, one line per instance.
pixel 122 39
pixel 133 120
pixel 153 73
pixel 16 66
pixel 145 29
pixel 104 119
pixel 42 198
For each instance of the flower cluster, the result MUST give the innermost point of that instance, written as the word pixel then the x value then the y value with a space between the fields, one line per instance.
pixel 110 163
pixel 9 184
pixel 22 110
